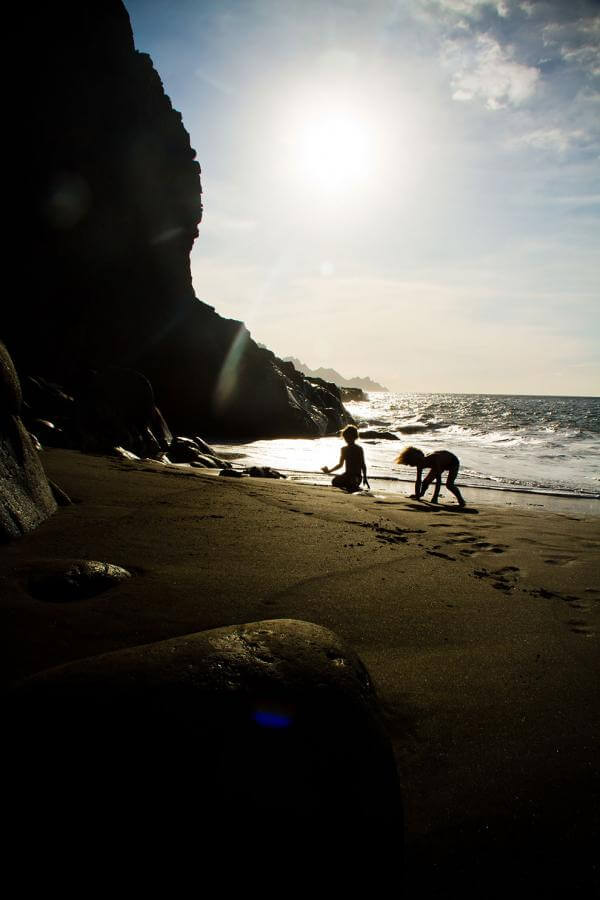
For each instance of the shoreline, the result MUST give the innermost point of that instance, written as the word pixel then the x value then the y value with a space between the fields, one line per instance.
pixel 480 633
pixel 300 459
pixel 501 497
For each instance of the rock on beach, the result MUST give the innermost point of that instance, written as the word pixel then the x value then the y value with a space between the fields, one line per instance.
pixel 273 722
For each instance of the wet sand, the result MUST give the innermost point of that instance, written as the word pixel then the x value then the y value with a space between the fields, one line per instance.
pixel 480 630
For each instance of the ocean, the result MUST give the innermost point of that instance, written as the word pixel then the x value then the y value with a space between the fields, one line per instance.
pixel 541 445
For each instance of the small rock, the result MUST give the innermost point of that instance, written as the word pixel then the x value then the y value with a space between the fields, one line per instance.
pixel 59 495
pixel 75 580
pixel 383 435
pixel 122 453
pixel 264 472
pixel 203 446
pixel 47 433
pixel 35 442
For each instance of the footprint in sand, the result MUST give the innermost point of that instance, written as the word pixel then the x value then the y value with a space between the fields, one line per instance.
pixel 489 548
pixel 441 555
pixel 504 579
pixel 553 595
pixel 579 626
pixel 560 560
pixel 388 535
pixel 475 545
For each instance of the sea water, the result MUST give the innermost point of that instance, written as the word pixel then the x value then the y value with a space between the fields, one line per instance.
pixel 547 445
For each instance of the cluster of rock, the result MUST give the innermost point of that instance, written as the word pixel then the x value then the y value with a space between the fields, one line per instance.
pixel 113 412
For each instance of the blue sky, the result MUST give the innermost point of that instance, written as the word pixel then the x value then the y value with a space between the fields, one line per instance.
pixel 407 190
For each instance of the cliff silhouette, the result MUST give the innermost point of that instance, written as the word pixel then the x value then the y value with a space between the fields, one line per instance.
pixel 108 188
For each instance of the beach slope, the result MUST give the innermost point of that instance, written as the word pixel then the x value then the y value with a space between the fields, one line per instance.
pixel 479 629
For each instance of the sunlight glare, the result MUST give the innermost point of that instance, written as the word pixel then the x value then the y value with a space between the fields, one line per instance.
pixel 331 144
pixel 332 150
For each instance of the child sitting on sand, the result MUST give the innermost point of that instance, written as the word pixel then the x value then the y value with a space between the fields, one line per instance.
pixel 354 458
pixel 437 462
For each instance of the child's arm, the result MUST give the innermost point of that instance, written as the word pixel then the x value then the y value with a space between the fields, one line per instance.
pixel 364 468
pixel 337 466
pixel 417 492
pixel 434 474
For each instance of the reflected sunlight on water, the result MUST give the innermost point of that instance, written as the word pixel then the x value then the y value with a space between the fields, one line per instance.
pixel 545 445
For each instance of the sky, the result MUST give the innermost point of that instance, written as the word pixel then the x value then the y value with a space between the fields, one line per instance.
pixel 404 189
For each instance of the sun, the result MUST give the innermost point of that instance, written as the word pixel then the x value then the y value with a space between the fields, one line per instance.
pixel 331 148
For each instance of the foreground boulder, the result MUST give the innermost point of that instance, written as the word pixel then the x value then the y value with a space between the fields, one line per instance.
pixel 25 496
pixel 271 725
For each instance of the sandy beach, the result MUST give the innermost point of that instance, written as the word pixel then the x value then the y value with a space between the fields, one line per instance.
pixel 479 629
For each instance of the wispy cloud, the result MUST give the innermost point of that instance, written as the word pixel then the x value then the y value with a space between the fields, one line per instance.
pixel 577 43
pixel 484 70
pixel 557 140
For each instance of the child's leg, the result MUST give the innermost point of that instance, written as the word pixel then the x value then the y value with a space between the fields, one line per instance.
pixel 348 482
pixel 452 487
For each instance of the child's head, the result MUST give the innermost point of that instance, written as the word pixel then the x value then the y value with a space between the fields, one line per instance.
pixel 349 433
pixel 410 456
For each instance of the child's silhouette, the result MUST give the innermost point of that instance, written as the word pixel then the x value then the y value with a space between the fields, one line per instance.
pixel 354 459
pixel 437 462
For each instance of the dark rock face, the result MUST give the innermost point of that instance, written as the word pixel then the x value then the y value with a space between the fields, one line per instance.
pixel 25 495
pixel 110 191
pixel 274 721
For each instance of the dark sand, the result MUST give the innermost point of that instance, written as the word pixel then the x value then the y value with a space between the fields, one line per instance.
pixel 480 631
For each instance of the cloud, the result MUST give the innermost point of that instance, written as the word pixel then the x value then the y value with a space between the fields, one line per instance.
pixel 578 43
pixel 486 71
pixel 558 140
pixel 474 8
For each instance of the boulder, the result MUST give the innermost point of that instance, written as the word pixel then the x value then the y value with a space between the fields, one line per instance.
pixel 25 496
pixel 115 408
pixel 272 725
pixel 184 450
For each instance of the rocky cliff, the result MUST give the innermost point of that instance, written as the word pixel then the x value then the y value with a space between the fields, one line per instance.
pixel 108 190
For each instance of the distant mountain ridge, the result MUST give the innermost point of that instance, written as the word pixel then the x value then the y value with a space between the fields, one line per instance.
pixel 365 384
